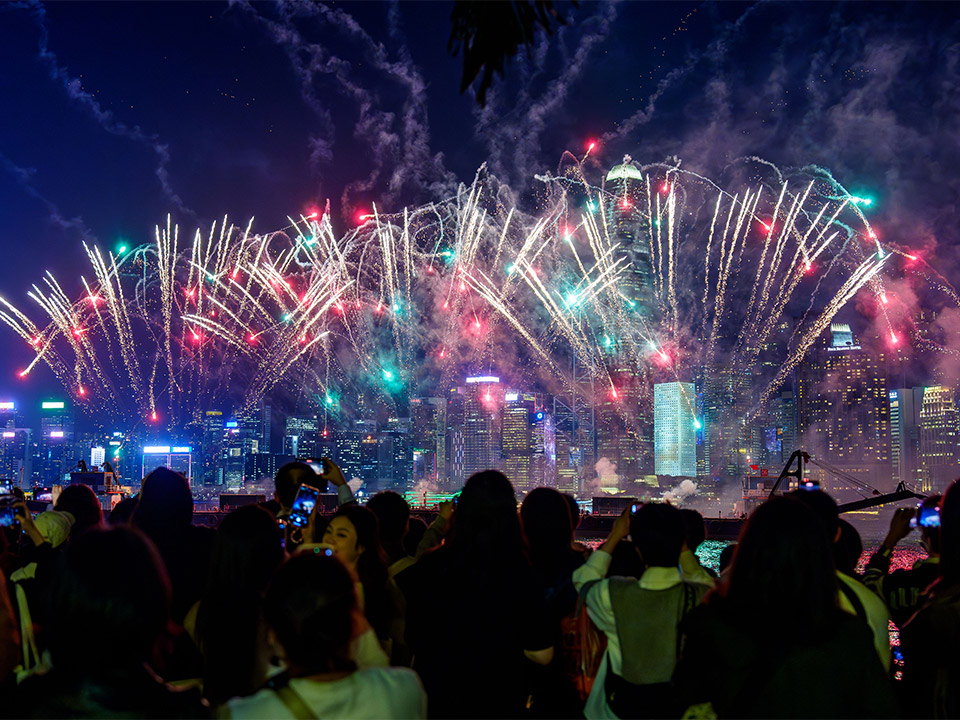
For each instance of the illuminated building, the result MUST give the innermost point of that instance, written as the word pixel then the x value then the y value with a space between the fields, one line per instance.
pixel 454 445
pixel 428 416
pixel 211 448
pixel 55 451
pixel 395 455
pixel 178 458
pixel 905 404
pixel 522 444
pixel 843 409
pixel 300 436
pixel 483 424
pixel 674 429
pixel 358 452
pixel 625 208
pixel 939 436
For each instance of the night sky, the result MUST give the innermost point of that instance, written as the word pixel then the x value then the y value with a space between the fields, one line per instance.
pixel 115 114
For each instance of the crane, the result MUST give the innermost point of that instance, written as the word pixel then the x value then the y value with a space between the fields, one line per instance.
pixel 800 457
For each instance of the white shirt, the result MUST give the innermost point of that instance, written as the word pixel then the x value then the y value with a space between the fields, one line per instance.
pixel 374 694
pixel 600 609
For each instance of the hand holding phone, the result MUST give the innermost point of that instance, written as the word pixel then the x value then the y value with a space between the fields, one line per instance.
pixel 303 505
pixel 332 473
pixel 929 517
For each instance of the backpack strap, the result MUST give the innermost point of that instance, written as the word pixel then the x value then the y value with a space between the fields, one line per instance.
pixel 295 704
pixel 851 595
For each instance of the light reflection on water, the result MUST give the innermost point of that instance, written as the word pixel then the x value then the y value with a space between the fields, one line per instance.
pixel 904 555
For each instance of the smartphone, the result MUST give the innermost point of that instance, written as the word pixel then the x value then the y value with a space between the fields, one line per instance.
pixel 634 508
pixel 303 505
pixel 809 485
pixel 317 465
pixel 6 486
pixel 282 527
pixel 8 513
pixel 927 517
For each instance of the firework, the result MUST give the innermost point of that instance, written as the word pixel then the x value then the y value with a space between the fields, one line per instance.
pixel 656 269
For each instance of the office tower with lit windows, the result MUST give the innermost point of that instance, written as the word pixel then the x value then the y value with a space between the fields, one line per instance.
pixel 56 453
pixel 674 429
pixel 843 409
pixel 428 418
pixel 395 455
pixel 905 405
pixel 939 437
pixel 454 445
pixel 357 452
pixel 242 436
pixel 520 442
pixel 483 424
pixel 300 436
pixel 627 223
pixel 210 470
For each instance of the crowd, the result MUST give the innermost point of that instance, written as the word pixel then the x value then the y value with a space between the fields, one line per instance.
pixel 488 612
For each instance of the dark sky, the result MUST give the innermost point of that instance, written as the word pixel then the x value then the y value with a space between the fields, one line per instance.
pixel 115 114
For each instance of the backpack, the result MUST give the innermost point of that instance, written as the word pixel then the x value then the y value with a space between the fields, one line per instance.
pixel 583 645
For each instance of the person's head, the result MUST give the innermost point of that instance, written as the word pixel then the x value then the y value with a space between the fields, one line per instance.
pixel 930 536
pixel 123 511
pixel 694 528
pixel 574 509
pixel 485 523
pixel 657 533
pixel 393 513
pixel 416 529
pixel 81 502
pixel 108 604
pixel 165 503
pixel 783 560
pixel 247 550
pixel 352 533
pixel 310 607
pixel 290 477
pixel 848 549
pixel 950 534
pixel 55 526
pixel 824 508
pixel 547 526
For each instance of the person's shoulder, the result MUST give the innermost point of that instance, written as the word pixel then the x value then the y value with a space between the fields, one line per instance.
pixel 262 704
pixel 393 676
pixel 871 602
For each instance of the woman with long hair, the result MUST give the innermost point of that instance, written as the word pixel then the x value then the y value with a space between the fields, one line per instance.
pixel 772 641
pixel 548 530
pixel 354 536
pixel 312 613
pixel 229 628
pixel 931 637
pixel 475 613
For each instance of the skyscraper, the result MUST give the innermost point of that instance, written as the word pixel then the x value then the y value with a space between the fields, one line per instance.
pixel 211 448
pixel 905 405
pixel 628 226
pixel 483 424
pixel 939 437
pixel 56 452
pixel 674 429
pixel 456 408
pixel 300 436
pixel 843 408
pixel 428 416
pixel 518 446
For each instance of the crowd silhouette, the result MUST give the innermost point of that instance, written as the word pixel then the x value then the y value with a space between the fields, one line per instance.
pixel 489 612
